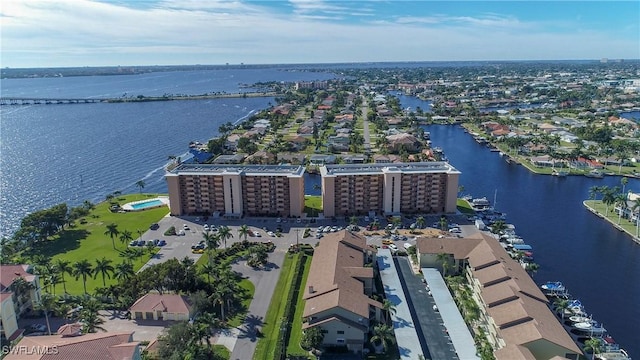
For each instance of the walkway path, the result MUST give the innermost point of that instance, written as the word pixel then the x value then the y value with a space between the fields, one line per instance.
pixel 265 283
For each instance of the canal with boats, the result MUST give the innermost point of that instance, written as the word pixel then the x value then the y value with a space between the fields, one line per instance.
pixel 597 263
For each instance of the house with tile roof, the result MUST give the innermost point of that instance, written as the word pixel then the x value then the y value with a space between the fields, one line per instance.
pixel 95 346
pixel 338 291
pixel 16 301
pixel 514 311
pixel 161 307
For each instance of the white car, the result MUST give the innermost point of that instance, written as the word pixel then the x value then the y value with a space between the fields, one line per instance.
pixel 206 227
pixel 407 245
pixel 271 233
pixel 393 247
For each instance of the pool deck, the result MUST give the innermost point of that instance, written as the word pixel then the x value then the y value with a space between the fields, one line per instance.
pixel 129 206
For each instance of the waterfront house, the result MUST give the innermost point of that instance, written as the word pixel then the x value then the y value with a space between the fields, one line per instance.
pixel 161 307
pixel 404 141
pixel 230 159
pixel 95 346
pixel 337 294
pixel 19 293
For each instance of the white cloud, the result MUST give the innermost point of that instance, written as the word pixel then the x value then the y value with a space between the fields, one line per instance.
pixel 83 32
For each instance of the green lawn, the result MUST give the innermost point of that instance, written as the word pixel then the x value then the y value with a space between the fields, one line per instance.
pixel 610 214
pixel 240 316
pixel 296 327
pixel 271 329
pixel 312 205
pixel 222 351
pixel 86 240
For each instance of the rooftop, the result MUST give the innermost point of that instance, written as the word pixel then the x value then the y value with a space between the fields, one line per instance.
pixel 251 170
pixel 376 169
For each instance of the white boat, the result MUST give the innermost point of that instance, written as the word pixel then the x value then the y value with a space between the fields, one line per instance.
pixel 613 355
pixel 559 173
pixel 480 204
pixel 597 174
pixel 579 319
pixel 590 327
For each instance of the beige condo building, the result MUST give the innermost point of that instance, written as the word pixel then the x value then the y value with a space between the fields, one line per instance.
pixel 236 190
pixel 389 189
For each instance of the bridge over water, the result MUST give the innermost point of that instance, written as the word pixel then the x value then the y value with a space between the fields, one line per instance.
pixel 53 101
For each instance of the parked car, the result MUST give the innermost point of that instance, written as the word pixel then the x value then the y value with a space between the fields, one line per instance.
pixel 387 242
pixel 201 243
pixel 162 242
pixel 257 234
pixel 185 226
pixel 133 243
pixel 271 233
pixel 154 226
pixel 181 233
pixel 393 247
pixel 156 242
pixel 407 245
pixel 206 227
pixel 141 242
pixel 38 327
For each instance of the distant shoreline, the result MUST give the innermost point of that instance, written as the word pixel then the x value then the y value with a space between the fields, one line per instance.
pixel 139 98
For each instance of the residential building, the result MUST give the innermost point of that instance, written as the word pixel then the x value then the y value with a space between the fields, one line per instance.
pixel 389 189
pixel 95 346
pixel 514 311
pixel 17 297
pixel 161 307
pixel 338 291
pixel 236 190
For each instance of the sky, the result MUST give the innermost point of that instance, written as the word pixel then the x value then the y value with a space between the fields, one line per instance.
pixel 63 33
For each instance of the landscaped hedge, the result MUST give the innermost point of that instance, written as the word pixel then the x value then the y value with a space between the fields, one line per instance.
pixel 290 309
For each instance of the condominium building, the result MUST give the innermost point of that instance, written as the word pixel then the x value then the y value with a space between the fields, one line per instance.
pixel 514 312
pixel 19 293
pixel 389 189
pixel 236 190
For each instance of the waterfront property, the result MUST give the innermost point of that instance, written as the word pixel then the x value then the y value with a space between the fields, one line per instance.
pixel 17 298
pixel 389 189
pixel 514 312
pixel 145 204
pixel 236 190
pixel 338 289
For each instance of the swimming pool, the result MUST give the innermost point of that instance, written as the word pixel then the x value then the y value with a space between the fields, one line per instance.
pixel 145 204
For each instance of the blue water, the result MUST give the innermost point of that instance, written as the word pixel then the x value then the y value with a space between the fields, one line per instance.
pixel 70 153
pixel 598 264
pixel 147 204
pixel 151 84
pixel 635 115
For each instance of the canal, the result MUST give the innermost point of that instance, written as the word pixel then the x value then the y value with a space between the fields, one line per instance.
pixel 598 264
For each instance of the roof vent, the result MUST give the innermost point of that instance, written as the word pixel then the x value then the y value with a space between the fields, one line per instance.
pixel 311 291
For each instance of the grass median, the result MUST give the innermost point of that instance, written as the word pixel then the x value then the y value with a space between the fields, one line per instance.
pixel 273 321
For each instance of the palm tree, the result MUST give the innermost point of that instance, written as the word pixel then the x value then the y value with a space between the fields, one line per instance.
pixel 113 232
pixel 389 308
pixel 383 333
pixel 126 236
pixel 353 220
pixel 212 241
pixel 443 258
pixel 208 269
pixel 621 202
pixel 225 233
pixel 243 231
pixel 443 223
pixel 53 278
pixel 123 271
pixel 47 303
pixel 498 226
pixel 608 198
pixel 104 267
pixel 421 222
pixel 561 305
pixel 82 269
pixel 624 181
pixel 594 345
pixel 90 316
pixel 636 210
pixel 140 184
pixel 64 267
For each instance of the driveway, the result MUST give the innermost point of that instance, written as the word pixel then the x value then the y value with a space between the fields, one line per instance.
pixel 143 330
